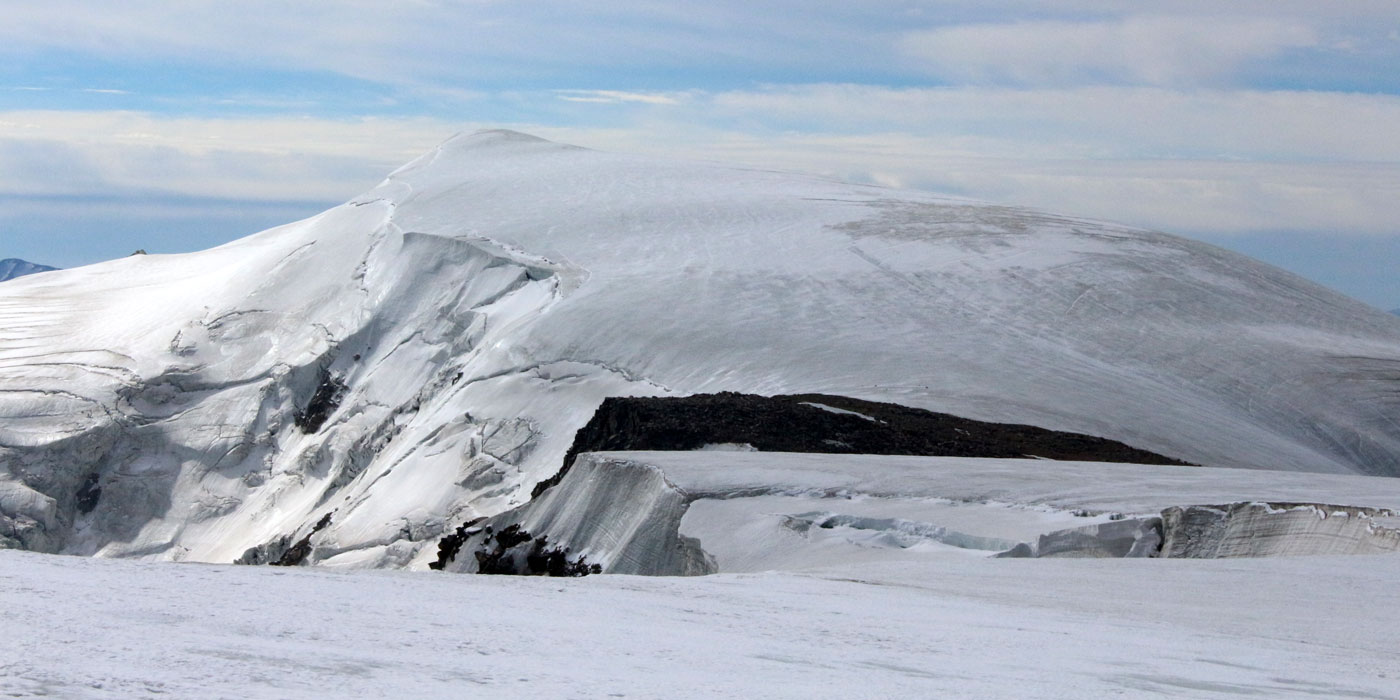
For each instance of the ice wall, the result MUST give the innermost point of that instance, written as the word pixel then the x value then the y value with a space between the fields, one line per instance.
pixel 621 515
pixel 632 512
pixel 1276 529
pixel 1247 529
pixel 1129 537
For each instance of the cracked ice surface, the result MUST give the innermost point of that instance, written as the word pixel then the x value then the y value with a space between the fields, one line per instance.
pixel 480 303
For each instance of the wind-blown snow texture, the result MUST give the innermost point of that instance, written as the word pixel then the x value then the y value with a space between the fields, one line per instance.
pixel 11 268
pixel 423 355
pixel 1305 627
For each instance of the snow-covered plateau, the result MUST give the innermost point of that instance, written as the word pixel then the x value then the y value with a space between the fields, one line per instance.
pixel 396 384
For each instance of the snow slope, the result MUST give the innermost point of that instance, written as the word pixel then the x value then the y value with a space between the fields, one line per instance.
pixel 851 613
pixel 423 354
pixel 11 268
pixel 1305 627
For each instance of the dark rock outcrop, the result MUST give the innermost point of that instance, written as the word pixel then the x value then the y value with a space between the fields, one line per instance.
pixel 282 551
pixel 828 424
pixel 330 389
pixel 298 552
pixel 88 493
pixel 450 545
pixel 515 552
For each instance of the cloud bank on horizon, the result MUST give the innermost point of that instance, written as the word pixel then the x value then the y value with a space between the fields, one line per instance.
pixel 1266 123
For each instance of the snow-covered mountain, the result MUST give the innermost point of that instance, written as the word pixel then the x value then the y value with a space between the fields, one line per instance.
pixel 11 268
pixel 371 378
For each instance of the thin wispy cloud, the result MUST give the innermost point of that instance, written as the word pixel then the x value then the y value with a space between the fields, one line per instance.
pixel 1091 122
pixel 617 97
pixel 1140 50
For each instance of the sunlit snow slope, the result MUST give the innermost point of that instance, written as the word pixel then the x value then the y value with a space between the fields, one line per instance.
pixel 424 353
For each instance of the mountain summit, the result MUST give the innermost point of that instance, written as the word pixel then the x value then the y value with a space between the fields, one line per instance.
pixel 424 354
pixel 11 268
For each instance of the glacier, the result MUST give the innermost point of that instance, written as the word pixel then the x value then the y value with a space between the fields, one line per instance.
pixel 372 378
pixel 705 512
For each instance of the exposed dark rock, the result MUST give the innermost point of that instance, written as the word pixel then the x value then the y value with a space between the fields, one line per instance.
pixel 88 493
pixel 515 552
pixel 295 554
pixel 330 388
pixel 451 544
pixel 791 424
pixel 265 553
pixel 298 552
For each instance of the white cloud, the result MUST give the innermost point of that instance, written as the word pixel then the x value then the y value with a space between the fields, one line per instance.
pixel 1142 50
pixel 1185 161
pixel 1091 122
pixel 434 46
pixel 438 47
pixel 283 158
pixel 618 97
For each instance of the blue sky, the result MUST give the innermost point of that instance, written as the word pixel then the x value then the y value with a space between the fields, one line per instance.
pixel 1267 126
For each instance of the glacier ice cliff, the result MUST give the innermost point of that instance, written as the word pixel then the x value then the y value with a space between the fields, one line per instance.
pixel 661 513
pixel 1245 529
pixel 1277 529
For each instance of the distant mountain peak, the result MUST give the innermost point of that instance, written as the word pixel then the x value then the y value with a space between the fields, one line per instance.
pixel 11 268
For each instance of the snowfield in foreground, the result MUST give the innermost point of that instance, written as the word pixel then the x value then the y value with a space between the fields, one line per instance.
pixel 1302 627
pixel 911 613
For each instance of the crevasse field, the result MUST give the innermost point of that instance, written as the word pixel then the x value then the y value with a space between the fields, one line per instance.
pixel 359 385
